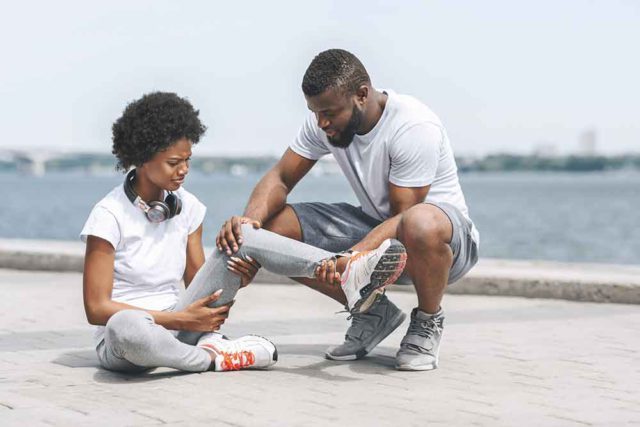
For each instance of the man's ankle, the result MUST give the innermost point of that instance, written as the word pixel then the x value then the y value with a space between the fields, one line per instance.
pixel 341 263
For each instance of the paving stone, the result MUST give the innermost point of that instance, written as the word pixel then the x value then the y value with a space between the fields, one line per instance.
pixel 505 361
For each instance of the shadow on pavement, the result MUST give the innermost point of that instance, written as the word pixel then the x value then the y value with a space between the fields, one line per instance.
pixel 314 365
pixel 380 362
pixel 78 359
pixel 110 377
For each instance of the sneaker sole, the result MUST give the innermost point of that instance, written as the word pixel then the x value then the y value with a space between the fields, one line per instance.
pixel 389 267
pixel 429 367
pixel 391 326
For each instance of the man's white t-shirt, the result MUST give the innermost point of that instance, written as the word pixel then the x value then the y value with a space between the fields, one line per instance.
pixel 408 147
pixel 150 258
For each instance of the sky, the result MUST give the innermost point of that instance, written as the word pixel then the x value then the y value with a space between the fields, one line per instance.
pixel 503 76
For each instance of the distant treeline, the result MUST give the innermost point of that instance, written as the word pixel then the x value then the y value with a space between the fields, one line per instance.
pixel 510 162
pixel 259 164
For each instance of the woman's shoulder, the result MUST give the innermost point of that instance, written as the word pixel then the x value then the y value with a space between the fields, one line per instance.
pixel 187 197
pixel 114 201
pixel 193 209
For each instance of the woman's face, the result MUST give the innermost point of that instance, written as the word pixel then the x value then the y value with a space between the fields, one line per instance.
pixel 168 169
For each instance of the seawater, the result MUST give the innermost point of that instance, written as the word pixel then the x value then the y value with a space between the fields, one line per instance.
pixel 581 217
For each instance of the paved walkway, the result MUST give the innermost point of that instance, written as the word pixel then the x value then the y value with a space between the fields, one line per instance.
pixel 505 361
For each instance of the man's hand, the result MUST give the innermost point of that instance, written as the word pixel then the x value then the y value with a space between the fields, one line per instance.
pixel 326 272
pixel 229 238
pixel 201 318
pixel 246 269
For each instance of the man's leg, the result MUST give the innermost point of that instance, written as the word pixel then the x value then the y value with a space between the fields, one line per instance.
pixel 426 232
pixel 441 250
pixel 338 227
pixel 438 244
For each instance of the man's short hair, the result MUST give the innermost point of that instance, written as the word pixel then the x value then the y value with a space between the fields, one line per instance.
pixel 334 69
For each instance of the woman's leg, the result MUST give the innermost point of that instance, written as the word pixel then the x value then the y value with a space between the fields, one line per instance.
pixel 275 253
pixel 133 343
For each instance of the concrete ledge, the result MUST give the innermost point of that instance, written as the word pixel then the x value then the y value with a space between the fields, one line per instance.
pixel 532 279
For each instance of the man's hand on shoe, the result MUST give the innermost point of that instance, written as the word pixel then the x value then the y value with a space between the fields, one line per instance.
pixel 326 273
pixel 246 269
pixel 229 238
pixel 200 317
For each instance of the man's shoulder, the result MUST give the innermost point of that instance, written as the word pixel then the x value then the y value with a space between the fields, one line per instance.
pixel 408 111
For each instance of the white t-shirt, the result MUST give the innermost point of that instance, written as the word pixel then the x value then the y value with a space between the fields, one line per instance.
pixel 408 147
pixel 150 258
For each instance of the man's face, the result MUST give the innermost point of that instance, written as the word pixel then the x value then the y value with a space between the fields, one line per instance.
pixel 337 115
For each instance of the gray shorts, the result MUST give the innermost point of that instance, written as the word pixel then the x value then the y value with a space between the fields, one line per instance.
pixel 337 227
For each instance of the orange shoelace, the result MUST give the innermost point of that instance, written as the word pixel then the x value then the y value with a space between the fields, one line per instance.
pixel 233 361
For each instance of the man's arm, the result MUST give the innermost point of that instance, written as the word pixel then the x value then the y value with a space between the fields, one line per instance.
pixel 267 199
pixel 270 195
pixel 401 199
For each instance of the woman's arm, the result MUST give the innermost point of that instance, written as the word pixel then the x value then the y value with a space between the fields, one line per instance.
pixel 195 255
pixel 99 307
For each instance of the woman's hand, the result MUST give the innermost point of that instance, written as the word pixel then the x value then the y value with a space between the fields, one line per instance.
pixel 327 272
pixel 246 269
pixel 201 318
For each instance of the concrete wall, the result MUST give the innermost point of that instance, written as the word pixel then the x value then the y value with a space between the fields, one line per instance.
pixel 533 279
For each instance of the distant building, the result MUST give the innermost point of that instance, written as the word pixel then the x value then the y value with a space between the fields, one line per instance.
pixel 587 143
pixel 545 149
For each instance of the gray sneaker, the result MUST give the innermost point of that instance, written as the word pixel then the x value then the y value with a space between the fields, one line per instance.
pixel 367 330
pixel 420 346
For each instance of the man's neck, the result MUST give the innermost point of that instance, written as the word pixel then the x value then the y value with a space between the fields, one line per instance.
pixel 374 111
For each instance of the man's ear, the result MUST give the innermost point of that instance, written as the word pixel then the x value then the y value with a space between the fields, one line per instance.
pixel 362 93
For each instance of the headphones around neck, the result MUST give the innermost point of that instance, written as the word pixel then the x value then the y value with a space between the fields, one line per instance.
pixel 156 210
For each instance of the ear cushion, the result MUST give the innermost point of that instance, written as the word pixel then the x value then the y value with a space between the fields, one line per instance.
pixel 128 186
pixel 174 203
pixel 159 211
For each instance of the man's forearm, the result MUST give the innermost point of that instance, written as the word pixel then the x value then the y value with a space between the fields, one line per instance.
pixel 267 199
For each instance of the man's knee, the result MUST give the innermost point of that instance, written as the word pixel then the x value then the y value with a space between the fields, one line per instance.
pixel 424 227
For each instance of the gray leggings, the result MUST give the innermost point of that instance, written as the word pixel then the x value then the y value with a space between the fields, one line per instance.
pixel 133 342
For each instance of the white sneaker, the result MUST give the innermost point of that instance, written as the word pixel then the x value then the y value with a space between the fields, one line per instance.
pixel 368 272
pixel 247 352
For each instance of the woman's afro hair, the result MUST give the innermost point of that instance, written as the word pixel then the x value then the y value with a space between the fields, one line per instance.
pixel 151 124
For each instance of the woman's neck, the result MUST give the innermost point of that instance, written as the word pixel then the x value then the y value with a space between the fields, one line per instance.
pixel 146 189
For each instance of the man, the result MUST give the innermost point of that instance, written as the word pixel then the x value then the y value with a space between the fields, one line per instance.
pixel 396 155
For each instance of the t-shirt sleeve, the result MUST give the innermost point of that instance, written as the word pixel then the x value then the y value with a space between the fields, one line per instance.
pixel 197 211
pixel 103 224
pixel 415 155
pixel 308 143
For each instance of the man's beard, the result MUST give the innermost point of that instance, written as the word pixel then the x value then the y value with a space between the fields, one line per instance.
pixel 345 137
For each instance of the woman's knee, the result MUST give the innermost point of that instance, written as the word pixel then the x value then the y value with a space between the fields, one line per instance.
pixel 128 326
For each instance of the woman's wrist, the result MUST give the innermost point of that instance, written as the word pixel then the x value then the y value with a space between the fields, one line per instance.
pixel 174 320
